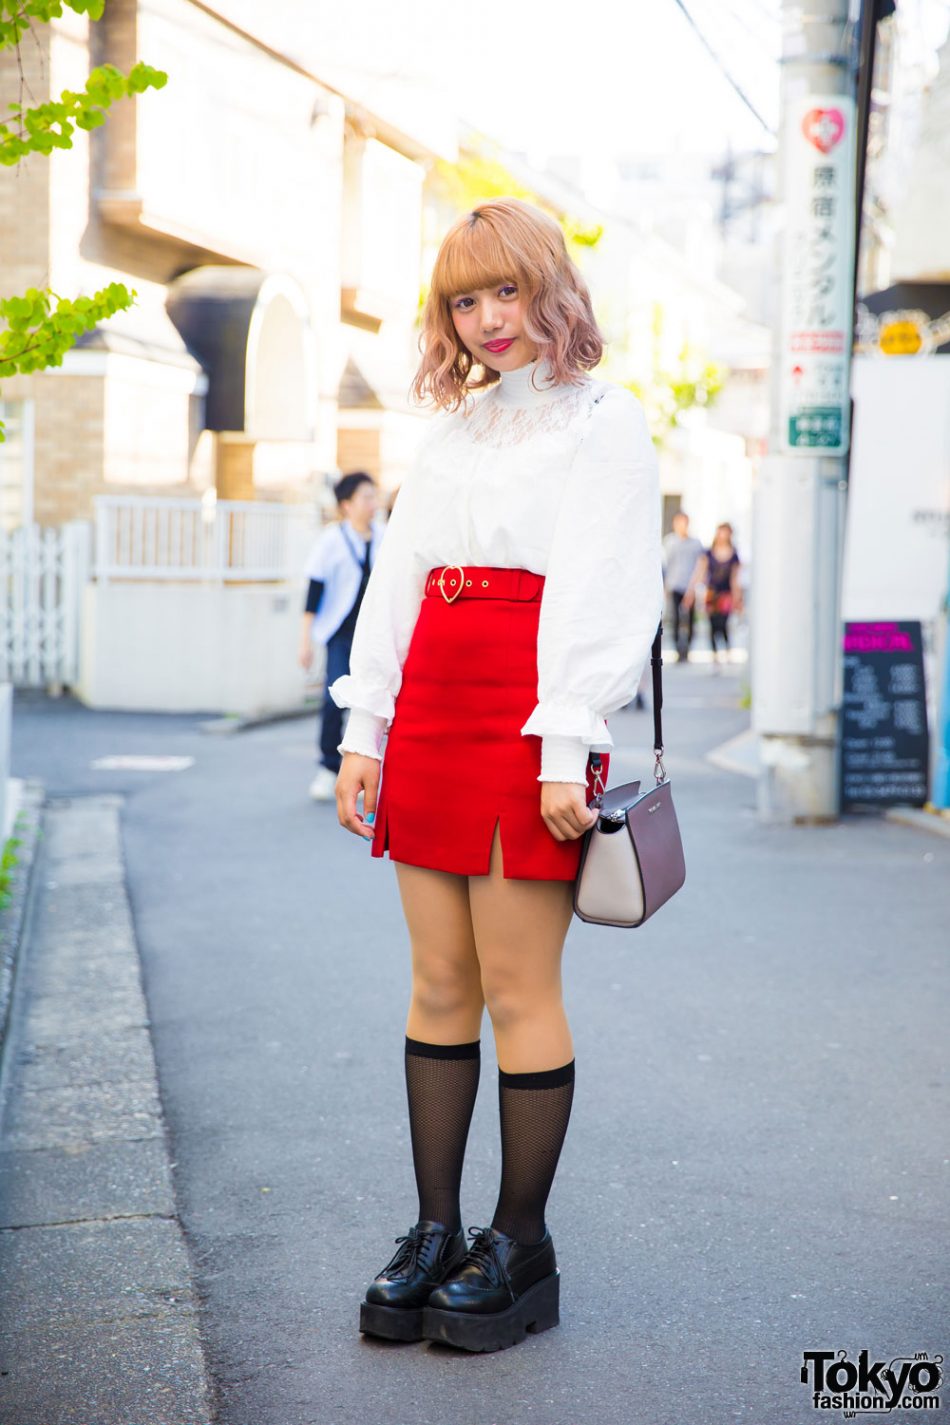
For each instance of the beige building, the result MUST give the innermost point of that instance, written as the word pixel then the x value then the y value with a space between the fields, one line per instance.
pixel 271 229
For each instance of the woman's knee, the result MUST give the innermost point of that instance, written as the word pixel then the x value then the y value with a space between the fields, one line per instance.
pixel 448 988
pixel 509 1001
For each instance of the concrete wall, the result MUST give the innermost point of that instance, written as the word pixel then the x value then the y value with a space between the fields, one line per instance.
pixel 188 648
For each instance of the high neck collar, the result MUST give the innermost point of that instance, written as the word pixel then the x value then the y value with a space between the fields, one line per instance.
pixel 522 387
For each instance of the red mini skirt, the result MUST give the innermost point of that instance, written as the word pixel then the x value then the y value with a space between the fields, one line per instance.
pixel 456 763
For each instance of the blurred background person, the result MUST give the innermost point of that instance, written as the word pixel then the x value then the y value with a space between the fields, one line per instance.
pixel 338 571
pixel 717 570
pixel 680 554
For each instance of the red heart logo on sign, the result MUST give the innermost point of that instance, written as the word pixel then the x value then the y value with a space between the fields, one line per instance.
pixel 824 128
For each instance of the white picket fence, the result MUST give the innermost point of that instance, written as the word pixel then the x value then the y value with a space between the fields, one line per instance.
pixel 42 574
pixel 151 537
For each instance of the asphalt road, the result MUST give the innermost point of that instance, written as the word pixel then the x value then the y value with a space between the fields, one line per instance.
pixel 757 1158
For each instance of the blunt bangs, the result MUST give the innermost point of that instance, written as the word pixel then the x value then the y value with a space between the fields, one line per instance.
pixel 472 259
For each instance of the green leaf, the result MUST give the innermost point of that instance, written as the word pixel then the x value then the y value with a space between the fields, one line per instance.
pixel 36 338
pixel 52 125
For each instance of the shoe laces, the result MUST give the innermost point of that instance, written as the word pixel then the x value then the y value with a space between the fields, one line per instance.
pixel 484 1254
pixel 406 1258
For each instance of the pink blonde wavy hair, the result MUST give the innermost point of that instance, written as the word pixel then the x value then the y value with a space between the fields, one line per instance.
pixel 505 240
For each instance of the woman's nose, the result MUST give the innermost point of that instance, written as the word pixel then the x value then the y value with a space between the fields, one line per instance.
pixel 489 318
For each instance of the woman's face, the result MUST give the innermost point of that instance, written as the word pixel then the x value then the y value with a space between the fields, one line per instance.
pixel 493 315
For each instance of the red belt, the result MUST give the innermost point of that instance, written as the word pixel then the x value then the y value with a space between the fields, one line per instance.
pixel 477 581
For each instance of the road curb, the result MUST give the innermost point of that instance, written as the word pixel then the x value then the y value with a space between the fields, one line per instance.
pixel 13 919
pixel 99 1319
pixel 224 726
pixel 935 822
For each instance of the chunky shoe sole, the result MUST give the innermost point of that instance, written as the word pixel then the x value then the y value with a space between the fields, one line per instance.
pixel 400 1323
pixel 396 1323
pixel 535 1310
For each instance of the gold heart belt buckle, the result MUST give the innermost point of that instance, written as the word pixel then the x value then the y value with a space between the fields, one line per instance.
pixel 444 580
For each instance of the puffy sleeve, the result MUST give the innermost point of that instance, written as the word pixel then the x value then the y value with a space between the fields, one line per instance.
pixel 386 620
pixel 603 588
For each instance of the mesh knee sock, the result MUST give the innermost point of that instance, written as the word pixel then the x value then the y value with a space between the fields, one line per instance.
pixel 441 1082
pixel 534 1111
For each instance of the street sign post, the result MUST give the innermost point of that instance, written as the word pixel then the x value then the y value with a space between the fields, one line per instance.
pixel 817 309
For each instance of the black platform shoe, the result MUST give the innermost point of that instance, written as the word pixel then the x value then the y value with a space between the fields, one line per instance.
pixel 397 1294
pixel 500 1291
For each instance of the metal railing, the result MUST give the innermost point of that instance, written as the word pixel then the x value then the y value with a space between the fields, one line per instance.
pixel 152 537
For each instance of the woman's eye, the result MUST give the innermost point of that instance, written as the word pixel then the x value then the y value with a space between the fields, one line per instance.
pixel 459 303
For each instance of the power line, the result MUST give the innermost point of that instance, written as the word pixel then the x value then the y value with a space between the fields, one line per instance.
pixel 772 44
pixel 734 83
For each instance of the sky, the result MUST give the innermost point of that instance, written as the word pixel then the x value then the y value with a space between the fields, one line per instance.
pixel 558 76
pixel 561 77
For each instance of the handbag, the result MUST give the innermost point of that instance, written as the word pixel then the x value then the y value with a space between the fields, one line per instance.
pixel 718 601
pixel 631 859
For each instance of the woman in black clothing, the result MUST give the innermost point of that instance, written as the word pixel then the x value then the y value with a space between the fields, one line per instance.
pixel 718 570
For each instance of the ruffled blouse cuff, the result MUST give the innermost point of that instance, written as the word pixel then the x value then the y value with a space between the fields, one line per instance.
pixel 364 733
pixel 563 759
pixel 575 720
pixel 347 693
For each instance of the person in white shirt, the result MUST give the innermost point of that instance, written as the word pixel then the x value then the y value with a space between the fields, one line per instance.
pixel 681 551
pixel 338 571
pixel 511 610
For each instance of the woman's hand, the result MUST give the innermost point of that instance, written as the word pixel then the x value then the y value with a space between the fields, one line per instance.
pixel 357 774
pixel 688 599
pixel 564 810
pixel 305 653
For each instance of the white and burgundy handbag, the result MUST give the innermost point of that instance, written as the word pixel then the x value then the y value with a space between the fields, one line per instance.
pixel 632 857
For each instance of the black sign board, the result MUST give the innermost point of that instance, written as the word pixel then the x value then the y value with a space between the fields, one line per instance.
pixel 884 745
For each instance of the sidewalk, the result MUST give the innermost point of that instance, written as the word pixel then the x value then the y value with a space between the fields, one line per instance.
pixel 98 1322
pixel 755 1165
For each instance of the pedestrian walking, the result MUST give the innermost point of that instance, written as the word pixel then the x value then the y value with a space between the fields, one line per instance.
pixel 680 553
pixel 717 571
pixel 338 571
pixel 511 609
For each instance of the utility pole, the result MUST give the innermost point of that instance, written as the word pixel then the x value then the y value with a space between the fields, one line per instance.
pixel 800 498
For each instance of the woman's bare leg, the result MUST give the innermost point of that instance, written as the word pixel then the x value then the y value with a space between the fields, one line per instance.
pixel 519 929
pixel 443 1029
pixel 447 1002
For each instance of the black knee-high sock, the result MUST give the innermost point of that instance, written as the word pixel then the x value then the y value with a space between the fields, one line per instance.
pixel 534 1111
pixel 441 1082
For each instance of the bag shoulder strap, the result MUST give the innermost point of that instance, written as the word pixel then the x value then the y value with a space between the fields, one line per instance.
pixel 656 663
pixel 659 771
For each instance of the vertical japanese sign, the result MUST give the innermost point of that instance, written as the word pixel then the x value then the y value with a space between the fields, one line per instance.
pixel 817 311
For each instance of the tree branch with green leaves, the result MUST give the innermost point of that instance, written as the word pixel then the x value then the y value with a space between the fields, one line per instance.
pixel 16 16
pixel 40 327
pixel 52 125
pixel 38 335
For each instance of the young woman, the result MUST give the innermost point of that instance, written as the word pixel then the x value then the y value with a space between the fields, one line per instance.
pixel 511 608
pixel 717 570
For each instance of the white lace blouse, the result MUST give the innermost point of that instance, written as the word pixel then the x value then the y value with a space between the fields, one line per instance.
pixel 552 480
